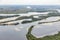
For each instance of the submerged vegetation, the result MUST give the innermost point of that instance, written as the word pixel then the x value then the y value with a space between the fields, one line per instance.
pixel 44 16
pixel 2 17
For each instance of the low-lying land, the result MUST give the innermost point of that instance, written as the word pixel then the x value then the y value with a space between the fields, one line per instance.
pixel 33 19
pixel 29 36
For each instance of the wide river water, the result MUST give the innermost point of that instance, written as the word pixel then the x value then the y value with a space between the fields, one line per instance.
pixel 18 32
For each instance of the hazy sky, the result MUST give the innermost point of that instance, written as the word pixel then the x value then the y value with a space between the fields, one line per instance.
pixel 30 2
